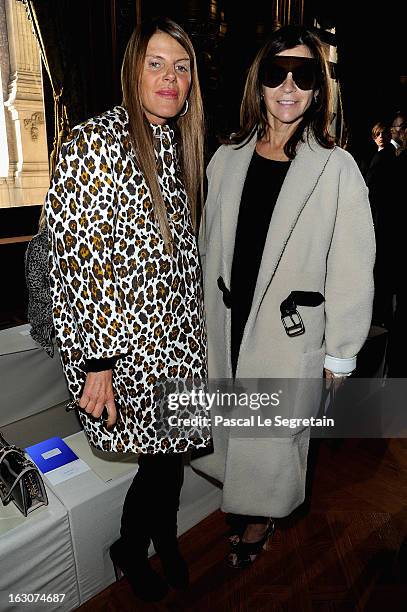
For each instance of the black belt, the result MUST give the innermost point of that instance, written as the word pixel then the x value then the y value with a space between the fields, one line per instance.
pixel 290 317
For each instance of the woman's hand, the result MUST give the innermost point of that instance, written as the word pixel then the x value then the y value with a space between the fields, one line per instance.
pixel 337 381
pixel 98 393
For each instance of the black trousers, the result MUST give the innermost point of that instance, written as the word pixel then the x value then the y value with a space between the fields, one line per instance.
pixel 151 504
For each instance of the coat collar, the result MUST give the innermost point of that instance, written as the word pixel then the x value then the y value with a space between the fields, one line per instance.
pixel 300 181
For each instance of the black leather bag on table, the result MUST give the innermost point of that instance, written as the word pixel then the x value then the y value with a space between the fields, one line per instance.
pixel 20 480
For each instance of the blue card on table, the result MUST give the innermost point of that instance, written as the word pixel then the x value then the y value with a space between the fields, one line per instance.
pixel 51 454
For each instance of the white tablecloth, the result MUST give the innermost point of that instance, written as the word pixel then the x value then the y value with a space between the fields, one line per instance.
pixel 30 381
pixel 36 556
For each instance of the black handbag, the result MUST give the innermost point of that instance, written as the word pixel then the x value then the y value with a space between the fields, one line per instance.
pixel 20 480
pixel 39 293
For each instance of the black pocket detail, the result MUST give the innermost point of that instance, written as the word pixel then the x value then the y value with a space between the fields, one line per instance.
pixel 307 298
pixel 227 296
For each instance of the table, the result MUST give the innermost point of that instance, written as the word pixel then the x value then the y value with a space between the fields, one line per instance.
pixel 30 381
pixel 36 556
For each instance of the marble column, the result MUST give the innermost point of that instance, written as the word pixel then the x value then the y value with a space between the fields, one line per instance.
pixel 28 174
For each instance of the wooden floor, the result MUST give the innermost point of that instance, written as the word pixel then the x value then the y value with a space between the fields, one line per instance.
pixel 339 552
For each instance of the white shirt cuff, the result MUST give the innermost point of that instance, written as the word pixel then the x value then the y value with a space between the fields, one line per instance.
pixel 338 365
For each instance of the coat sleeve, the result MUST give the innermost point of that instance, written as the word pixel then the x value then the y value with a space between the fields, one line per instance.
pixel 81 208
pixel 212 174
pixel 349 284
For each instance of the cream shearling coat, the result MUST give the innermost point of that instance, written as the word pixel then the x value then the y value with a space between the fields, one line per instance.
pixel 320 239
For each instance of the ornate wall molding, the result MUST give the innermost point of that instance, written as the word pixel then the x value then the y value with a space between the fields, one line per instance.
pixel 33 123
pixel 28 175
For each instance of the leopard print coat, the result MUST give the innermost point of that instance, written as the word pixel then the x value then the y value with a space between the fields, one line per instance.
pixel 115 290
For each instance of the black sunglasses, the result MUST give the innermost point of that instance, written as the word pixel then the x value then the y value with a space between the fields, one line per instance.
pixel 274 70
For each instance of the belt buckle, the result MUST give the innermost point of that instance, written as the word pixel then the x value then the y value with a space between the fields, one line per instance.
pixel 297 326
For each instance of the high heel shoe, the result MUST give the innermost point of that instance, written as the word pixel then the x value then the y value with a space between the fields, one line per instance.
pixel 244 554
pixel 175 569
pixel 174 566
pixel 144 581
pixel 237 525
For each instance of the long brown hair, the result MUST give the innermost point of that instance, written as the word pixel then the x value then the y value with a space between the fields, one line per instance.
pixel 317 118
pixel 189 127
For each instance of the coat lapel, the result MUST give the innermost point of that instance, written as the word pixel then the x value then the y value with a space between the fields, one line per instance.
pixel 298 186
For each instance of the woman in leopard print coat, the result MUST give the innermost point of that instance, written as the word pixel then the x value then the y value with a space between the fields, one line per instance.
pixel 126 283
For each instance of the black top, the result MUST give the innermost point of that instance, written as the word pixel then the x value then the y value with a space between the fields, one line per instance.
pixel 260 192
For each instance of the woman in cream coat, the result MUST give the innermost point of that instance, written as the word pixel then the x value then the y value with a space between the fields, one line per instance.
pixel 281 194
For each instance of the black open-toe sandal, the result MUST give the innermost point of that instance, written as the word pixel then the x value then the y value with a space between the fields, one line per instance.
pixel 237 525
pixel 244 554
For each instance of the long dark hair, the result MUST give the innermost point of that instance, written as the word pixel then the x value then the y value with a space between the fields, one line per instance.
pixel 190 126
pixel 317 118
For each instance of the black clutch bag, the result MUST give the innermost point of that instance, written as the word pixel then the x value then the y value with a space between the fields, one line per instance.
pixel 20 480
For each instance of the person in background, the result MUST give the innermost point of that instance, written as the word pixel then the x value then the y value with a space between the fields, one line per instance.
pixel 126 284
pixel 381 135
pixel 403 140
pixel 397 367
pixel 396 129
pixel 381 182
pixel 288 252
pixel 379 171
